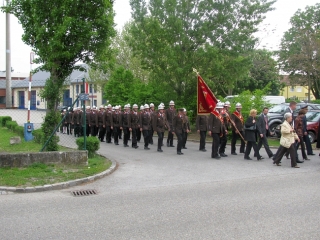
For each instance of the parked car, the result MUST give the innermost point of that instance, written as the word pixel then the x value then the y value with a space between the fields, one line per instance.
pixel 274 99
pixel 275 115
pixel 313 117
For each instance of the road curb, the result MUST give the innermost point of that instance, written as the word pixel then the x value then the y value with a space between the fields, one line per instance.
pixel 62 185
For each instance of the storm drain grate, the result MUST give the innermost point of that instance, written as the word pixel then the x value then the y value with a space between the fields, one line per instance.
pixel 82 193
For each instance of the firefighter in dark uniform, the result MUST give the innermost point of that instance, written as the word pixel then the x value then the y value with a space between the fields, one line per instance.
pixel 238 120
pixel 223 138
pixel 139 117
pixel 108 123
pixel 178 124
pixel 116 125
pixel 202 126
pixel 94 121
pixel 87 123
pixel 215 130
pixel 76 120
pixel 186 129
pixel 159 125
pixel 145 126
pixel 135 126
pixel 170 113
pixel 152 112
pixel 101 125
pixel 126 125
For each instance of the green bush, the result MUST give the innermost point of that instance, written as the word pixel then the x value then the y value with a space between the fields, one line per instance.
pixel 11 125
pixel 317 101
pixel 19 130
pixel 4 119
pixel 93 145
pixel 38 136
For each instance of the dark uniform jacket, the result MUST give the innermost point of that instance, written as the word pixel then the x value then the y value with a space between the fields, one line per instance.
pixel 170 115
pixel 116 119
pixel 126 120
pixel 186 124
pixel 88 115
pixel 94 118
pixel 77 117
pixel 100 118
pixel 178 124
pixel 202 123
pixel 215 123
pixel 107 118
pixel 249 134
pixel 135 119
pixel 145 121
pixel 159 122
pixel 237 118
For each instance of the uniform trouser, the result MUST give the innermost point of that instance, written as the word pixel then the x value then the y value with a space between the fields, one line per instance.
pixel 146 135
pixel 108 134
pixel 120 134
pixel 185 138
pixel 235 137
pixel 180 141
pixel 76 130
pixel 134 137
pixel 88 130
pixel 203 135
pixel 93 130
pixel 69 128
pixel 126 135
pixel 306 139
pixel 303 149
pixel 223 143
pixel 263 140
pixel 151 136
pixel 116 131
pixel 160 139
pixel 252 144
pixel 282 150
pixel 170 137
pixel 287 153
pixel 101 132
pixel 138 132
pixel 215 144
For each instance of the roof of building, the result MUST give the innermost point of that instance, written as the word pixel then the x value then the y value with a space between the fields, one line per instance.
pixel 14 75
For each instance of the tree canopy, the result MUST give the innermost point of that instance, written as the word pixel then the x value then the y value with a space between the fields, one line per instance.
pixel 299 53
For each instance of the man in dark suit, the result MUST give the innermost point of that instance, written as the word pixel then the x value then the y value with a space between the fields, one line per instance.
pixel 177 128
pixel 216 130
pixel 145 126
pixel 202 125
pixel 263 130
pixel 237 130
pixel 170 114
pixel 126 125
pixel 135 127
pixel 159 124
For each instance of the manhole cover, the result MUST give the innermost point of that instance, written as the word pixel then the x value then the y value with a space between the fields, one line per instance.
pixel 82 193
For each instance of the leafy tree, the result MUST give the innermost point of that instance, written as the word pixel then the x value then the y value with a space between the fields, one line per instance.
pixel 173 36
pixel 263 72
pixel 62 33
pixel 299 53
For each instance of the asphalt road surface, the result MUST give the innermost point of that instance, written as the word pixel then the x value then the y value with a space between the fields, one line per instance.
pixel 165 196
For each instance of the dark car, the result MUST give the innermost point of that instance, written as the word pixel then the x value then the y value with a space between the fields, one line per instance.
pixel 275 115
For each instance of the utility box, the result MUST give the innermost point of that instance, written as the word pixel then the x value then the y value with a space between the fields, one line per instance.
pixel 28 129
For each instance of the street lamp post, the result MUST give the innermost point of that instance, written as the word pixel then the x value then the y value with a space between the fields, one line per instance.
pixel 8 62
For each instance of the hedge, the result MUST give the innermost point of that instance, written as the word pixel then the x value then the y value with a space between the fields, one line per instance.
pixel 4 119
pixel 93 145
pixel 38 136
pixel 11 125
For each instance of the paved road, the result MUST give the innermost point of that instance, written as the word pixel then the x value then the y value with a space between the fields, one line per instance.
pixel 165 196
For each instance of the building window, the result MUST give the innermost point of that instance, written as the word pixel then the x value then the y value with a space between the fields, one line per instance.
pixel 77 88
pixel 2 100
pixel 292 89
pixel 299 89
pixel 90 88
pixel 95 102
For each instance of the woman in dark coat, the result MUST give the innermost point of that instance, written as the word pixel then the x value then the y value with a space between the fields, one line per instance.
pixel 318 136
pixel 251 136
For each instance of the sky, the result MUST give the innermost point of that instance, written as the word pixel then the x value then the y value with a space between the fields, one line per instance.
pixel 271 30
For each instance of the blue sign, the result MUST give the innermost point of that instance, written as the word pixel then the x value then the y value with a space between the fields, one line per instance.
pixel 84 97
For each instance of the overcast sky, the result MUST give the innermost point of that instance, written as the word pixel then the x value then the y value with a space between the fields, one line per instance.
pixel 271 31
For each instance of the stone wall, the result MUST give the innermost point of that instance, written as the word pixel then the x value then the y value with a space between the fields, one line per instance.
pixel 26 159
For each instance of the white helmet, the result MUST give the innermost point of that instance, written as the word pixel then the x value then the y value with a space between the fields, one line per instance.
pixel 128 105
pixel 162 104
pixel 135 106
pixel 116 107
pixel 142 107
pixel 151 105
pixel 160 107
pixel 184 110
pixel 171 103
pixel 109 106
pixel 101 107
pixel 219 105
pixel 238 105
pixel 88 107
pixel 146 106
pixel 227 104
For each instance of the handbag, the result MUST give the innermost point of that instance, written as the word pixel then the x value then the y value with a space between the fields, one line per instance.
pixel 252 128
pixel 284 142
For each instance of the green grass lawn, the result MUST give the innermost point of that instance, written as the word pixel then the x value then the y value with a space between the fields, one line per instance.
pixel 41 174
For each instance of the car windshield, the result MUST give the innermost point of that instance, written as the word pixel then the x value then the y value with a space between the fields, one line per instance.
pixel 313 116
pixel 278 109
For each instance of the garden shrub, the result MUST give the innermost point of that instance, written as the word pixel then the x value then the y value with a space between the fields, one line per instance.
pixel 93 145
pixel 4 119
pixel 11 125
pixel 38 136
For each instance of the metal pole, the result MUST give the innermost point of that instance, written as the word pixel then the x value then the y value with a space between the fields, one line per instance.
pixel 30 80
pixel 8 62
pixel 84 119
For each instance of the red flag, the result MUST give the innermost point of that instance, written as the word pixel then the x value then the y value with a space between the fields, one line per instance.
pixel 206 101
